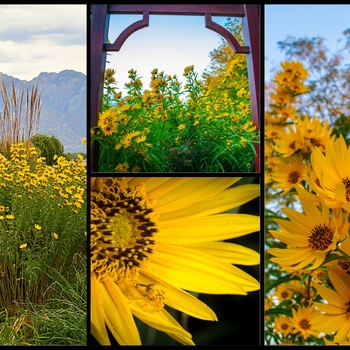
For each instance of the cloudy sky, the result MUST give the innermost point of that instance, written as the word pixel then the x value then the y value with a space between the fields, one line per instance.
pixel 42 38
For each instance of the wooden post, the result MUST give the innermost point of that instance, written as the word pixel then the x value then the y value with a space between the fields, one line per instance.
pixel 251 31
pixel 99 36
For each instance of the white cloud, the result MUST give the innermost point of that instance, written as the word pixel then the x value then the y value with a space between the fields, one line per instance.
pixel 37 38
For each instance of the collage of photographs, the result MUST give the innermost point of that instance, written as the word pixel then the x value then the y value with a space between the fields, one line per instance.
pixel 152 192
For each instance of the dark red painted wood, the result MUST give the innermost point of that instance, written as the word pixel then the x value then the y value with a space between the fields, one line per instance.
pixel 144 22
pixel 251 30
pixel 236 10
pixel 99 47
pixel 225 34
pixel 99 35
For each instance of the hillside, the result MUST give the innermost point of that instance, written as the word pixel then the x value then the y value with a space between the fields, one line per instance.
pixel 63 111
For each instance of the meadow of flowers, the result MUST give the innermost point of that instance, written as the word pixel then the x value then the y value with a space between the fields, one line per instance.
pixel 42 249
pixel 203 126
pixel 307 180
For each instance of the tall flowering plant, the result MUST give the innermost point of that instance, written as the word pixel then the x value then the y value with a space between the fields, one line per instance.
pixel 175 128
pixel 307 172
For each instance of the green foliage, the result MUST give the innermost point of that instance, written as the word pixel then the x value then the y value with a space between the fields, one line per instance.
pixel 49 147
pixel 61 321
pixel 42 226
pixel 74 156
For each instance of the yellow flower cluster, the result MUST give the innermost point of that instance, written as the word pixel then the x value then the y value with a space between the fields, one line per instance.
pixel 32 175
pixel 312 168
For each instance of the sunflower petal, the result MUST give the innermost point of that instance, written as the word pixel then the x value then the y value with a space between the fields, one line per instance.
pixel 329 309
pixel 226 200
pixel 118 313
pixel 290 239
pixel 341 282
pixel 98 327
pixel 164 322
pixel 199 272
pixel 179 299
pixel 211 228
pixel 192 191
pixel 228 252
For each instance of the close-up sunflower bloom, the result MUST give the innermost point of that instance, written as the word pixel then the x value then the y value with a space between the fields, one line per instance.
pixel 335 317
pixel 333 172
pixel 309 236
pixel 156 240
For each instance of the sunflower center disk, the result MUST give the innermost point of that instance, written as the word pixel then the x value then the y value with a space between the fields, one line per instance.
pixel 294 177
pixel 344 265
pixel 121 231
pixel 321 237
pixel 346 182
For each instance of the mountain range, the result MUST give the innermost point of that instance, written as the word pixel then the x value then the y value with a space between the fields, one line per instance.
pixel 63 105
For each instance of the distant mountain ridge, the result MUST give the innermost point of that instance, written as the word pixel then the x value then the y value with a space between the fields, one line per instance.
pixel 63 109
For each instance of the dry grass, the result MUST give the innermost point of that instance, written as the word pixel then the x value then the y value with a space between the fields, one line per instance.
pixel 19 120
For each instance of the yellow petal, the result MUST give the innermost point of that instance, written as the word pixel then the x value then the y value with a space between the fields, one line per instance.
pixel 193 191
pixel 329 309
pixel 160 186
pixel 179 299
pixel 164 322
pixel 331 296
pixel 343 330
pixel 226 200
pixel 291 239
pixel 228 252
pixel 98 327
pixel 195 271
pixel 118 315
pixel 331 324
pixel 211 228
pixel 298 222
pixel 340 193
pixel 341 282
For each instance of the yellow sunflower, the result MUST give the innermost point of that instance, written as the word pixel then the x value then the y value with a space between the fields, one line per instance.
pixel 296 68
pixel 284 292
pixel 309 236
pixel 290 142
pixel 283 325
pixel 273 131
pixel 333 174
pixel 305 320
pixel 289 173
pixel 316 133
pixel 336 311
pixel 154 239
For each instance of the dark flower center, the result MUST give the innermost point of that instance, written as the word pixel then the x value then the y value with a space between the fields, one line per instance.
pixel 346 182
pixel 348 308
pixel 285 295
pixel 294 177
pixel 321 237
pixel 344 265
pixel 304 324
pixel 122 230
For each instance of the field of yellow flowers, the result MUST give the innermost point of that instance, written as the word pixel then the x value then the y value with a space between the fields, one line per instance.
pixel 203 126
pixel 42 249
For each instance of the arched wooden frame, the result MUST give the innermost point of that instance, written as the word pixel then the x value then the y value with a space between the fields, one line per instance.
pixel 99 36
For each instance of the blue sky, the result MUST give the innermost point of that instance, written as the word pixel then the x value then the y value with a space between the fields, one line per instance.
pixel 42 38
pixel 327 21
pixel 169 43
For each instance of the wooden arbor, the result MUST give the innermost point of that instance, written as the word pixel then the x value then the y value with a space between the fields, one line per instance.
pixel 99 47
